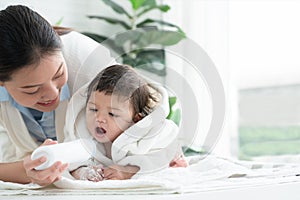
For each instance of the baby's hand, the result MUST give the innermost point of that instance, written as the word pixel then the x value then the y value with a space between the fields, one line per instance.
pixel 91 173
pixel 118 172
pixel 95 173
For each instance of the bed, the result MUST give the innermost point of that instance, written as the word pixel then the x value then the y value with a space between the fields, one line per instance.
pixel 208 177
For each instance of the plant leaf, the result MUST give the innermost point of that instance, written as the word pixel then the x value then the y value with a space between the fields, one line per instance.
pixel 136 4
pixel 172 101
pixel 149 60
pixel 192 152
pixel 175 113
pixel 58 23
pixel 128 36
pixel 149 3
pixel 151 21
pixel 111 20
pixel 141 38
pixel 107 42
pixel 161 37
pixel 96 37
pixel 117 8
pixel 163 8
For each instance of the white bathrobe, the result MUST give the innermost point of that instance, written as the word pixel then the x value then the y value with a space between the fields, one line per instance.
pixel 150 144
pixel 79 52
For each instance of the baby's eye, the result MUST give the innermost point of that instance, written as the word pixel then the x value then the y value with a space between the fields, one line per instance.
pixel 112 114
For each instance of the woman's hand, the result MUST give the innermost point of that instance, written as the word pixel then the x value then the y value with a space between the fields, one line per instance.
pixel 47 176
pixel 118 172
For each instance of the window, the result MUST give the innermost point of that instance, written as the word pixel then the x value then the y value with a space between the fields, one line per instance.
pixel 264 58
pixel 269 126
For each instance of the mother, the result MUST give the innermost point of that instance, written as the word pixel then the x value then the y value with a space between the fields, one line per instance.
pixel 35 63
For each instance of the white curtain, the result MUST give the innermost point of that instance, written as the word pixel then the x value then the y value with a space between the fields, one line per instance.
pixel 206 23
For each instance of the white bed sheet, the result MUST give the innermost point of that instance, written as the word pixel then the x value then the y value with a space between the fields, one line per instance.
pixel 288 191
pixel 204 178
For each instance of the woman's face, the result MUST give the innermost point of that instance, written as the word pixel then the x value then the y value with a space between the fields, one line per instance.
pixel 107 116
pixel 39 86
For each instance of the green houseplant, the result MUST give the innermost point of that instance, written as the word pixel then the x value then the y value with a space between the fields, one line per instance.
pixel 141 40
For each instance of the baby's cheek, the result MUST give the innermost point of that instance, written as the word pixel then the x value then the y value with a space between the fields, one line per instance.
pixel 90 124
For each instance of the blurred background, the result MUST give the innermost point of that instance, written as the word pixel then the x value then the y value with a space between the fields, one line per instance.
pixel 255 47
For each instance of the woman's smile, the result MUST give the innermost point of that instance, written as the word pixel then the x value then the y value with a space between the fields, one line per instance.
pixel 48 103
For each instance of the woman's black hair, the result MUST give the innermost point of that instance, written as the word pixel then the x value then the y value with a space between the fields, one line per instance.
pixel 25 38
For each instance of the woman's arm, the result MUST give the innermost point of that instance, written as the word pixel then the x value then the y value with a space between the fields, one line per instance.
pixel 24 172
pixel 13 172
pixel 17 173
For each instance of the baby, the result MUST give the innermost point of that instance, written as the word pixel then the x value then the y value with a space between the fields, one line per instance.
pixel 117 99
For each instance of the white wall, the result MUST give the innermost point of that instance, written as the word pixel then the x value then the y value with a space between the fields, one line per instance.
pixel 74 13
pixel 265 42
pixel 264 46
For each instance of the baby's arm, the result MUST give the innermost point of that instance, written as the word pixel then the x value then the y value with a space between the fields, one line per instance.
pixel 118 172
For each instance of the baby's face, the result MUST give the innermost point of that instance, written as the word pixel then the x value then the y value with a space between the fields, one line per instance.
pixel 108 116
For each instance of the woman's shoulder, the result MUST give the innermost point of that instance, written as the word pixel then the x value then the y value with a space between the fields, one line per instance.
pixel 76 39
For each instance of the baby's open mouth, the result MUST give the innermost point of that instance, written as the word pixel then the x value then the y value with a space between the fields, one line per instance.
pixel 100 130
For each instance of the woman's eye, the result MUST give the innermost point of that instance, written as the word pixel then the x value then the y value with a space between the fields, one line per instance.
pixel 58 76
pixel 93 109
pixel 31 93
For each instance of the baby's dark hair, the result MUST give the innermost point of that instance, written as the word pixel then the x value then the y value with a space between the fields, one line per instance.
pixel 124 81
